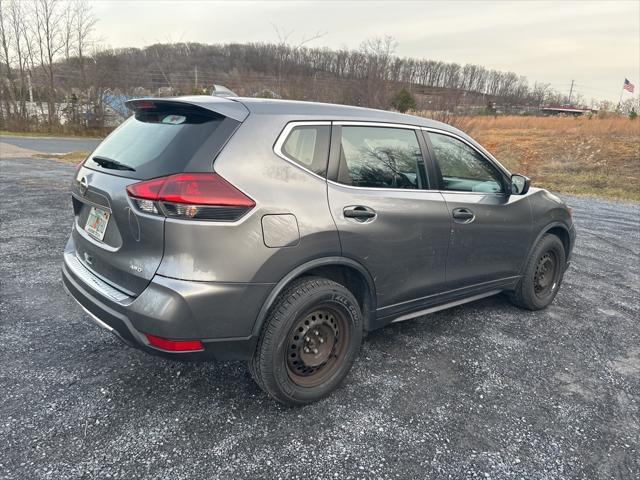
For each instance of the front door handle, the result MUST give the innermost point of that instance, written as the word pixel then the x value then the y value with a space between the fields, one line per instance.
pixel 463 215
pixel 359 213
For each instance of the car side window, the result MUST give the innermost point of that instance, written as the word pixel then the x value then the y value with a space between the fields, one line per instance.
pixel 308 146
pixel 379 157
pixel 463 169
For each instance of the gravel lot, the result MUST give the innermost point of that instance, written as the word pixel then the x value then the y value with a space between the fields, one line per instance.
pixel 480 391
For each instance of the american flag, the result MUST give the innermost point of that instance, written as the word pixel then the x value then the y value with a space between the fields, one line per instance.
pixel 628 86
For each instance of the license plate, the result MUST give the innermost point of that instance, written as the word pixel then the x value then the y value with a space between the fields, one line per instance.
pixel 97 222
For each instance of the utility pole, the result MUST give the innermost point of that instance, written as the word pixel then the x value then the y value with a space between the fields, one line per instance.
pixel 30 87
pixel 196 80
pixel 570 92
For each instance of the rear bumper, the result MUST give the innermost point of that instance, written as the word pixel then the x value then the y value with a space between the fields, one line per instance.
pixel 221 315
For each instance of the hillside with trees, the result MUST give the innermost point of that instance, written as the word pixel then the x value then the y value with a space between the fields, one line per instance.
pixel 53 71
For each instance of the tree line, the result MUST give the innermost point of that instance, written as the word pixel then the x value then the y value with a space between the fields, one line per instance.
pixel 52 67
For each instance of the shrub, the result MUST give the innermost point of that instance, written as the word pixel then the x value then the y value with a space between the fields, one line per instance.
pixel 403 101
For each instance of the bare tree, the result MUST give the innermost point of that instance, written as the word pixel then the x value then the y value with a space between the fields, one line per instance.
pixel 6 41
pixel 48 29
pixel 85 22
pixel 628 105
pixel 377 55
pixel 540 93
pixel 286 50
pixel 68 24
pixel 17 20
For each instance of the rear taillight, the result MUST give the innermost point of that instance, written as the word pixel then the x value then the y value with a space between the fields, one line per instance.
pixel 175 345
pixel 200 196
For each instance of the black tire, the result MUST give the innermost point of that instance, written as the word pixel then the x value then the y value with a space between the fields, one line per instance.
pixel 542 275
pixel 294 366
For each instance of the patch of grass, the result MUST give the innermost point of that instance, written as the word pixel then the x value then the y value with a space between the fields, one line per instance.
pixel 24 134
pixel 597 157
pixel 591 184
pixel 71 157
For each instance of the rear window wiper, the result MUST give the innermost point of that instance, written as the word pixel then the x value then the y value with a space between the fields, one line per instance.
pixel 106 162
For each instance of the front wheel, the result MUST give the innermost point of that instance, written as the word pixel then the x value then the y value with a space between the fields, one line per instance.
pixel 309 342
pixel 542 275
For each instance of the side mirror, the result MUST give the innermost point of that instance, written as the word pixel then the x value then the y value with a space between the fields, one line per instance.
pixel 520 184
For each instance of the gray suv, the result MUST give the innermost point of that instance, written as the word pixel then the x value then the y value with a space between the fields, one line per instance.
pixel 279 232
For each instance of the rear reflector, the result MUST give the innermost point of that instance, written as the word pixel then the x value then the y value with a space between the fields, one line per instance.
pixel 202 196
pixel 175 345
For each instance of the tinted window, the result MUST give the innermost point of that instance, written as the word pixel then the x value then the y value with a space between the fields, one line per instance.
pixel 462 167
pixel 162 140
pixel 308 146
pixel 380 157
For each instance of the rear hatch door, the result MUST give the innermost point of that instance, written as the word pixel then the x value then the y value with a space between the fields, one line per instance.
pixel 116 241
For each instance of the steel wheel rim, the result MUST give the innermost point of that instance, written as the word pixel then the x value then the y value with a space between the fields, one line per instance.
pixel 316 346
pixel 545 277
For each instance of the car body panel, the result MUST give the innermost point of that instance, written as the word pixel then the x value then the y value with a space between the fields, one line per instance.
pixel 494 244
pixel 423 305
pixel 547 208
pixel 402 247
pixel 236 252
pixel 130 253
pixel 171 308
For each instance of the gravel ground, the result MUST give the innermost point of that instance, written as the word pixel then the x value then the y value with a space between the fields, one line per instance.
pixel 480 391
pixel 9 150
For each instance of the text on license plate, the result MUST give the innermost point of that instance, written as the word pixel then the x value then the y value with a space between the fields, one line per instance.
pixel 97 222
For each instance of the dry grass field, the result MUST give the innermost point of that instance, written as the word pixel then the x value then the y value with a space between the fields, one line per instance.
pixel 597 156
pixel 71 157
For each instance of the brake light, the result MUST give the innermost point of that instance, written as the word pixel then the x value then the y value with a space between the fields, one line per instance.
pixel 204 196
pixel 143 104
pixel 147 190
pixel 175 345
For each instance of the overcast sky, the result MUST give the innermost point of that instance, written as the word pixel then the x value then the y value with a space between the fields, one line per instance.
pixel 595 43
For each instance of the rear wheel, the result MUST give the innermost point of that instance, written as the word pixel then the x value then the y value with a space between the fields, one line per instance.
pixel 542 275
pixel 309 342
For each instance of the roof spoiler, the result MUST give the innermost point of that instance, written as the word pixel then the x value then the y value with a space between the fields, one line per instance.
pixel 220 105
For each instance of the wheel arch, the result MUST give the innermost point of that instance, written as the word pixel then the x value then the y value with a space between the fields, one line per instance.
pixel 560 230
pixel 346 271
pixel 563 234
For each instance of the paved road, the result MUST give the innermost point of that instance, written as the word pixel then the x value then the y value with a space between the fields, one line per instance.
pixel 480 391
pixel 52 144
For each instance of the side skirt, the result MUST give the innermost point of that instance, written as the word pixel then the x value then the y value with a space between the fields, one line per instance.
pixel 444 306
pixel 441 301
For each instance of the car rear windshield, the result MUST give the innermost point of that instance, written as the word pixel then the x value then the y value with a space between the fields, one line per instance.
pixel 159 140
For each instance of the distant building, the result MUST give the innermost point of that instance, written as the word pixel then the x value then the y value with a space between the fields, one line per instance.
pixel 165 92
pixel 566 110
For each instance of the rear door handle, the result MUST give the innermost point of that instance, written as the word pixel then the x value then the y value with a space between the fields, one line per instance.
pixel 359 213
pixel 463 215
